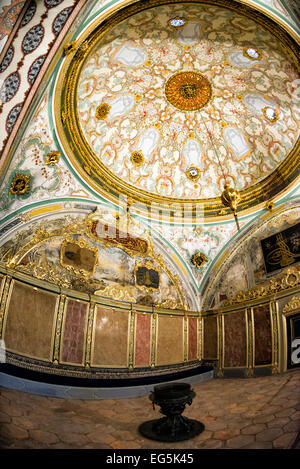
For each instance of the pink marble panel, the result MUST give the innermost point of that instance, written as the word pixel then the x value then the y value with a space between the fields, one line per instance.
pixel 235 339
pixel 192 338
pixel 263 335
pixel 142 341
pixel 74 332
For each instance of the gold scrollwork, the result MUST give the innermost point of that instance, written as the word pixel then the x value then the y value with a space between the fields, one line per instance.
pixel 53 273
pixel 290 279
pixel 292 305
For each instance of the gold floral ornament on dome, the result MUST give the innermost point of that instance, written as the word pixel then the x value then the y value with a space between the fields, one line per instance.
pixel 137 158
pixel 20 184
pixel 199 259
pixel 188 91
pixel 52 158
pixel 102 111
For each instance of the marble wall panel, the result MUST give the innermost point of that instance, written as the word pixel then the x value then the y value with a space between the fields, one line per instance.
pixel 74 332
pixel 143 340
pixel 262 335
pixel 110 338
pixel 170 348
pixel 28 327
pixel 192 338
pixel 235 340
pixel 210 348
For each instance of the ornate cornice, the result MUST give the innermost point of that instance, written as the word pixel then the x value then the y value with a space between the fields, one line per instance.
pixel 289 279
pixel 292 305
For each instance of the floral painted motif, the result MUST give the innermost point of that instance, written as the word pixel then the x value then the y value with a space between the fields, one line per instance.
pixel 32 157
pixel 9 17
pixel 32 39
pixel 7 59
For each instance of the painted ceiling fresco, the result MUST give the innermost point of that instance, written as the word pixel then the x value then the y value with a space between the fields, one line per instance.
pixel 241 97
pixel 240 123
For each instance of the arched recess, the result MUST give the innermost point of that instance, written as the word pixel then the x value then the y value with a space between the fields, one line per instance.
pixel 123 249
pixel 240 269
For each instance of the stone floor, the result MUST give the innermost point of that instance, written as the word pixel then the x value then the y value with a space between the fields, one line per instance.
pixel 253 413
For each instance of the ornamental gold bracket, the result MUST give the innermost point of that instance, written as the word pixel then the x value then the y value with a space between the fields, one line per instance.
pixel 70 47
pixel 53 158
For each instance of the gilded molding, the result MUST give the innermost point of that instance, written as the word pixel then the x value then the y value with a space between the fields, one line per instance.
pixel 292 305
pixel 200 338
pixel 220 345
pixel 250 342
pixel 89 334
pixel 185 339
pixel 131 338
pixel 50 272
pixel 275 336
pixel 5 295
pixel 58 329
pixel 289 279
pixel 154 318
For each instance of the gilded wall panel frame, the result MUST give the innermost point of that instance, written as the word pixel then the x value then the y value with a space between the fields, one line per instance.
pixel 85 329
pixel 6 289
pixel 89 334
pixel 57 328
pixel 93 364
pixel 10 289
pixel 247 344
pixel 274 332
pixel 292 307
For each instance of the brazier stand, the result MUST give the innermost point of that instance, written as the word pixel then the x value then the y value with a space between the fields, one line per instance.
pixel 172 399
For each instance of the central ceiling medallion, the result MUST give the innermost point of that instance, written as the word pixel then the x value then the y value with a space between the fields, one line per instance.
pixel 188 91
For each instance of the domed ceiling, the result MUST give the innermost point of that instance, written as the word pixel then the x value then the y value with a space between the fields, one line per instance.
pixel 170 103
